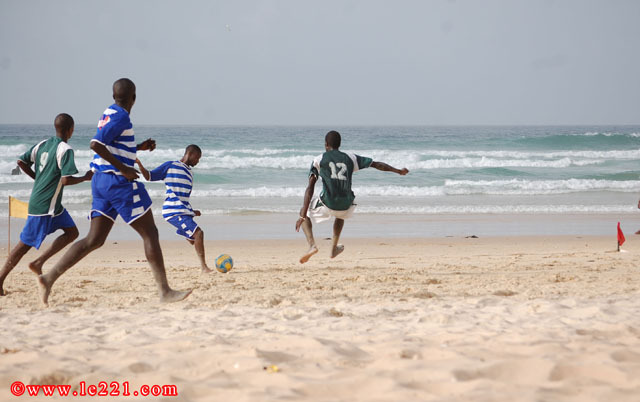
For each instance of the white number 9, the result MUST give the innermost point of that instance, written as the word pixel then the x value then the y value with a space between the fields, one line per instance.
pixel 43 160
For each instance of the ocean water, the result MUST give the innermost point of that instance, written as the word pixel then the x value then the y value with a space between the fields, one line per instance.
pixel 453 170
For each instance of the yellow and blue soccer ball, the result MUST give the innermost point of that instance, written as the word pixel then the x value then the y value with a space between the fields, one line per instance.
pixel 224 263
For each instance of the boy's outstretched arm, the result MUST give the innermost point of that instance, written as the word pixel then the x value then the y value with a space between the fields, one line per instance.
pixel 128 172
pixel 71 180
pixel 145 172
pixel 388 168
pixel 26 169
pixel 307 200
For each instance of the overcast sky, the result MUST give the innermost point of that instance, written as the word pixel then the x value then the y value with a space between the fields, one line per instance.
pixel 299 62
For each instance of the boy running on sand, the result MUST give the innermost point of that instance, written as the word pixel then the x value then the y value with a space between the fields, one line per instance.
pixel 176 209
pixel 335 168
pixel 116 192
pixel 53 168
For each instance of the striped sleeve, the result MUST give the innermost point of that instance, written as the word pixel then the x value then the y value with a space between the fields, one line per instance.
pixel 160 172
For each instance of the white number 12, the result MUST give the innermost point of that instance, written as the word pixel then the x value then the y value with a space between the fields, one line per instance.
pixel 335 174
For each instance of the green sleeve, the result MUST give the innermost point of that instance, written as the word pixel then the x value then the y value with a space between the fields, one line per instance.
pixel 363 162
pixel 67 164
pixel 26 157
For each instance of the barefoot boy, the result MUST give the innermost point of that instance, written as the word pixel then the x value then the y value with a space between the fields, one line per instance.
pixel 335 168
pixel 176 209
pixel 116 192
pixel 54 167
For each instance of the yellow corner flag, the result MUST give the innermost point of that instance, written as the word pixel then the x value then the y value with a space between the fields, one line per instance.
pixel 17 208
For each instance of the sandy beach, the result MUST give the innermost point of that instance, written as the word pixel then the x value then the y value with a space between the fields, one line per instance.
pixel 441 319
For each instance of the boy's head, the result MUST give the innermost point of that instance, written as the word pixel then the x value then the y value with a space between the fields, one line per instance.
pixel 64 126
pixel 124 93
pixel 192 155
pixel 332 140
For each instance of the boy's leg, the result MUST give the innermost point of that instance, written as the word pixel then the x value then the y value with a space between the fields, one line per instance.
pixel 307 228
pixel 98 232
pixel 198 242
pixel 14 257
pixel 69 235
pixel 336 248
pixel 146 228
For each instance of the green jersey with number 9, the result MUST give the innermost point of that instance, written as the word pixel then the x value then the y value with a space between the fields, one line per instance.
pixel 336 168
pixel 51 160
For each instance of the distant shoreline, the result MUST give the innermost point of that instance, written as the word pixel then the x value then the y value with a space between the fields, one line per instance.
pixel 276 226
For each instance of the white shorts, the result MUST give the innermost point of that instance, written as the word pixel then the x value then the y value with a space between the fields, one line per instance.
pixel 318 212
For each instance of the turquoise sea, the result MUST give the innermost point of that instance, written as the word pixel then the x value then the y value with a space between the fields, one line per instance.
pixel 487 171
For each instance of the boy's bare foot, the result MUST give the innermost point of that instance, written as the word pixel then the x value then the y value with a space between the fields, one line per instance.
pixel 337 250
pixel 2 293
pixel 206 270
pixel 172 296
pixel 312 250
pixel 45 290
pixel 35 267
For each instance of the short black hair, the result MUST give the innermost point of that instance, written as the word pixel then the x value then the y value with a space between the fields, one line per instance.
pixel 63 123
pixel 123 90
pixel 333 139
pixel 193 148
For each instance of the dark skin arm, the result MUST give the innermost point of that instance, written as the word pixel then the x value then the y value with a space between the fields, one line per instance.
pixel 388 168
pixel 145 172
pixel 307 200
pixel 71 180
pixel 27 169
pixel 128 172
pixel 66 181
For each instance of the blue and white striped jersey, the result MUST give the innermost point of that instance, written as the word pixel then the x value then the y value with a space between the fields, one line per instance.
pixel 115 132
pixel 179 181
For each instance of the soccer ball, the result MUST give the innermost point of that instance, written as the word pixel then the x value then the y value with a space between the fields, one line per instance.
pixel 224 263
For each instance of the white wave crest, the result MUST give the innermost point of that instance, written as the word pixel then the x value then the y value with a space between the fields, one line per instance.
pixel 537 187
pixel 500 209
pixel 607 134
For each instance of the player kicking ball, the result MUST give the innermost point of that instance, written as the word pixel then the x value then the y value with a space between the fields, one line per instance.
pixel 176 209
pixel 335 168
pixel 53 168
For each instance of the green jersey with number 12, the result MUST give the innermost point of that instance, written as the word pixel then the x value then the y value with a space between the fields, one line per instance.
pixel 336 168
pixel 51 160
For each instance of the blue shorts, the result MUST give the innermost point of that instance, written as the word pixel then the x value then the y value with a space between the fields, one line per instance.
pixel 38 227
pixel 114 195
pixel 185 224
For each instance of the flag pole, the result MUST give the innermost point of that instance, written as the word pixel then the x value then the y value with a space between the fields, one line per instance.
pixel 9 229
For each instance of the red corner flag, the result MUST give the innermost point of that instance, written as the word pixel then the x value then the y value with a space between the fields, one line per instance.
pixel 620 236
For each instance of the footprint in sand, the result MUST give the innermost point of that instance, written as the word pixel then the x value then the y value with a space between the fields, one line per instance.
pixel 346 350
pixel 274 357
pixel 56 377
pixel 626 355
pixel 523 372
pixel 140 367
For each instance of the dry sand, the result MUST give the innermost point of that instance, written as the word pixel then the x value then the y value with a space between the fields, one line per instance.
pixel 488 319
